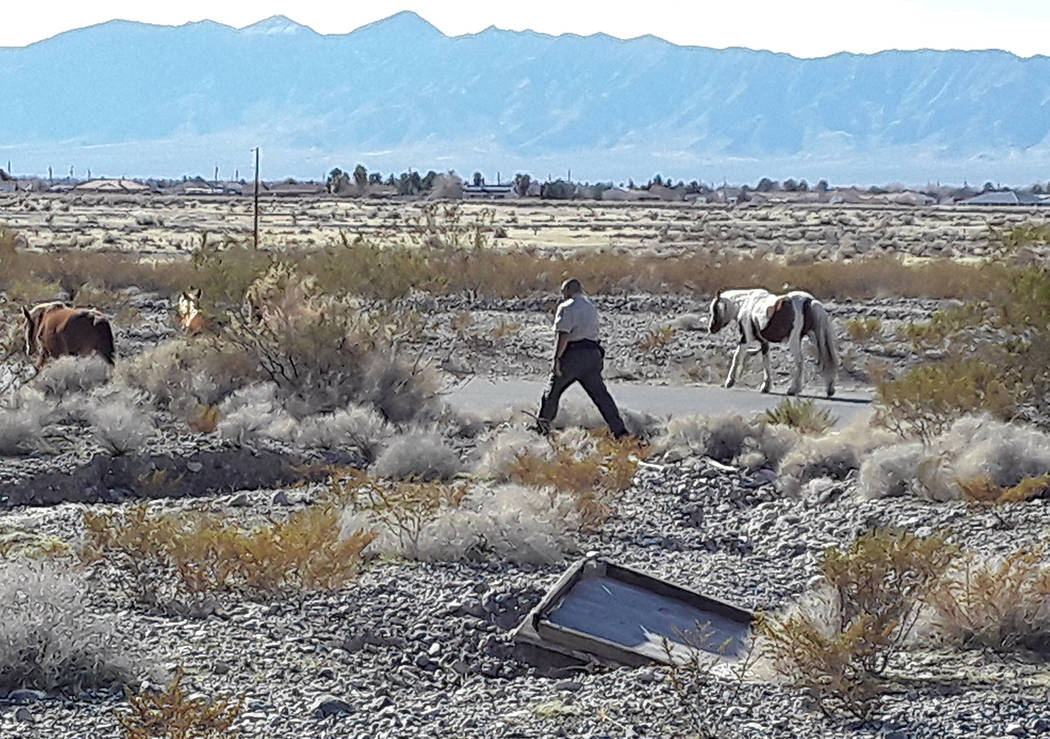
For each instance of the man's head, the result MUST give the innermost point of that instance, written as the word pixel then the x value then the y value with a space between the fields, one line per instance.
pixel 571 288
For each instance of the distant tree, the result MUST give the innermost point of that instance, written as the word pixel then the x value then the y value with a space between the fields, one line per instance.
pixel 803 186
pixel 1037 189
pixel 656 180
pixel 987 187
pixel 391 181
pixel 478 179
pixel 765 185
pixel 360 176
pixel 789 185
pixel 337 181
pixel 558 190
pixel 428 181
pixel 522 183
pixel 375 179
pixel 630 184
pixel 822 186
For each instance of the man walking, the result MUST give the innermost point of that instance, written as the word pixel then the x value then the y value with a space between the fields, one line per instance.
pixel 578 357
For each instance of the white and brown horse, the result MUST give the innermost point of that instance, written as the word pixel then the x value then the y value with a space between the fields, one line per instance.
pixel 56 329
pixel 770 319
pixel 188 312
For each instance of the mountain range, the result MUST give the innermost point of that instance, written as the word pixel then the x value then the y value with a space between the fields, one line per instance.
pixel 126 98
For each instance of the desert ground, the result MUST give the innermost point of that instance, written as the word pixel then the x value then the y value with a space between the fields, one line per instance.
pixel 465 517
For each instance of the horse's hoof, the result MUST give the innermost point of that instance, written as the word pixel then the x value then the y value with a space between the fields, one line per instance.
pixel 728 384
pixel 764 389
pixel 831 392
pixel 792 391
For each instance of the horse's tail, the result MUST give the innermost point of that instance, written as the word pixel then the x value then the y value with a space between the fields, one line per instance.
pixel 105 338
pixel 823 332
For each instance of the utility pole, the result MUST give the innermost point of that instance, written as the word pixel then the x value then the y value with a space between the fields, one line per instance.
pixel 216 174
pixel 255 220
pixel 50 178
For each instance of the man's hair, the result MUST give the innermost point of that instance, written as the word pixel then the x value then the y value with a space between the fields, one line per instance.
pixel 572 286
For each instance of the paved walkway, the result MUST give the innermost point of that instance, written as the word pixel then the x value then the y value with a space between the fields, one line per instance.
pixel 482 395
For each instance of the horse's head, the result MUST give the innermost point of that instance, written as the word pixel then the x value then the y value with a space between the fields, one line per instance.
pixel 33 316
pixel 719 314
pixel 189 313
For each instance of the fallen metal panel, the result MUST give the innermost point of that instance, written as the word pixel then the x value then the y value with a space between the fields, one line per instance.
pixel 604 612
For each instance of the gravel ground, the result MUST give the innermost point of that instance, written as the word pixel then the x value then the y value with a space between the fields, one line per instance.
pixel 414 649
pixel 423 649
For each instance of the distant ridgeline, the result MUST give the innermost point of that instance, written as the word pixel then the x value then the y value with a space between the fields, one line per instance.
pixel 132 99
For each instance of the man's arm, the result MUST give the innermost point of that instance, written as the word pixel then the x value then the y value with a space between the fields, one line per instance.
pixel 560 343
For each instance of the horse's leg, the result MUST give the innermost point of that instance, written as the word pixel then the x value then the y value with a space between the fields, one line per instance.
pixel 796 355
pixel 738 361
pixel 767 375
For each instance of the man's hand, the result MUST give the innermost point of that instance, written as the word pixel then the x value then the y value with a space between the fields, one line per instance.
pixel 556 369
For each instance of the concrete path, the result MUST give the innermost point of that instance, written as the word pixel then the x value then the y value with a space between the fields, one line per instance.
pixel 482 395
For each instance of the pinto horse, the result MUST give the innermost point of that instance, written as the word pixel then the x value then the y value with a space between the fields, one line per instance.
pixel 189 313
pixel 767 318
pixel 56 330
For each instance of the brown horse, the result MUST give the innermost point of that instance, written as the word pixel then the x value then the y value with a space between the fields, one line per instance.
pixel 57 330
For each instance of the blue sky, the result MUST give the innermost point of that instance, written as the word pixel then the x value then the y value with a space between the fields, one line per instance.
pixel 805 28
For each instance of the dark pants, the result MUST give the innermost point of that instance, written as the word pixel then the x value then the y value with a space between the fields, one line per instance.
pixel 582 362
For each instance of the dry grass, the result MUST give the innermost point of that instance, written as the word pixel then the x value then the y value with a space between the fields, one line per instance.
pixel 205 552
pixel 173 714
pixel 999 604
pixel 657 340
pixel 837 644
pixel 929 398
pixel 984 490
pixel 864 329
pixel 595 473
pixel 400 509
pixel 802 415
pixel 445 253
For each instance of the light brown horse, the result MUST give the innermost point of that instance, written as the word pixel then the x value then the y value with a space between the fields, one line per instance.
pixel 56 330
pixel 189 313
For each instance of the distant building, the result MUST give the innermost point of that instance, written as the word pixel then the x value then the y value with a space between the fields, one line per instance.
pixel 1005 197
pixel 126 187
pixel 487 191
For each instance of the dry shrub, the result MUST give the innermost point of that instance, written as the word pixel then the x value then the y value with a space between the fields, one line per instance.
pixel 802 415
pixel 864 329
pixel 1000 604
pixel 21 429
pixel 183 374
pixel 986 456
pixel 205 419
pixel 51 640
pixel 835 455
pixel 173 555
pixel 984 490
pixel 322 352
pixel 119 423
pixel 594 469
pixel 418 456
pixel 398 510
pixel 254 413
pixel 172 714
pixel 355 427
pixel 657 340
pixel 926 401
pixel 16 543
pixel 729 438
pixel 839 639
pixel 66 375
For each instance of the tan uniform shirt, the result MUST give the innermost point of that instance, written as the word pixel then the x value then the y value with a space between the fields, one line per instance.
pixel 578 318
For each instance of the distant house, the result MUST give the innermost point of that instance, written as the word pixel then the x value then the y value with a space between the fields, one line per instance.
pixel 286 189
pixel 487 191
pixel 1006 197
pixel 126 187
